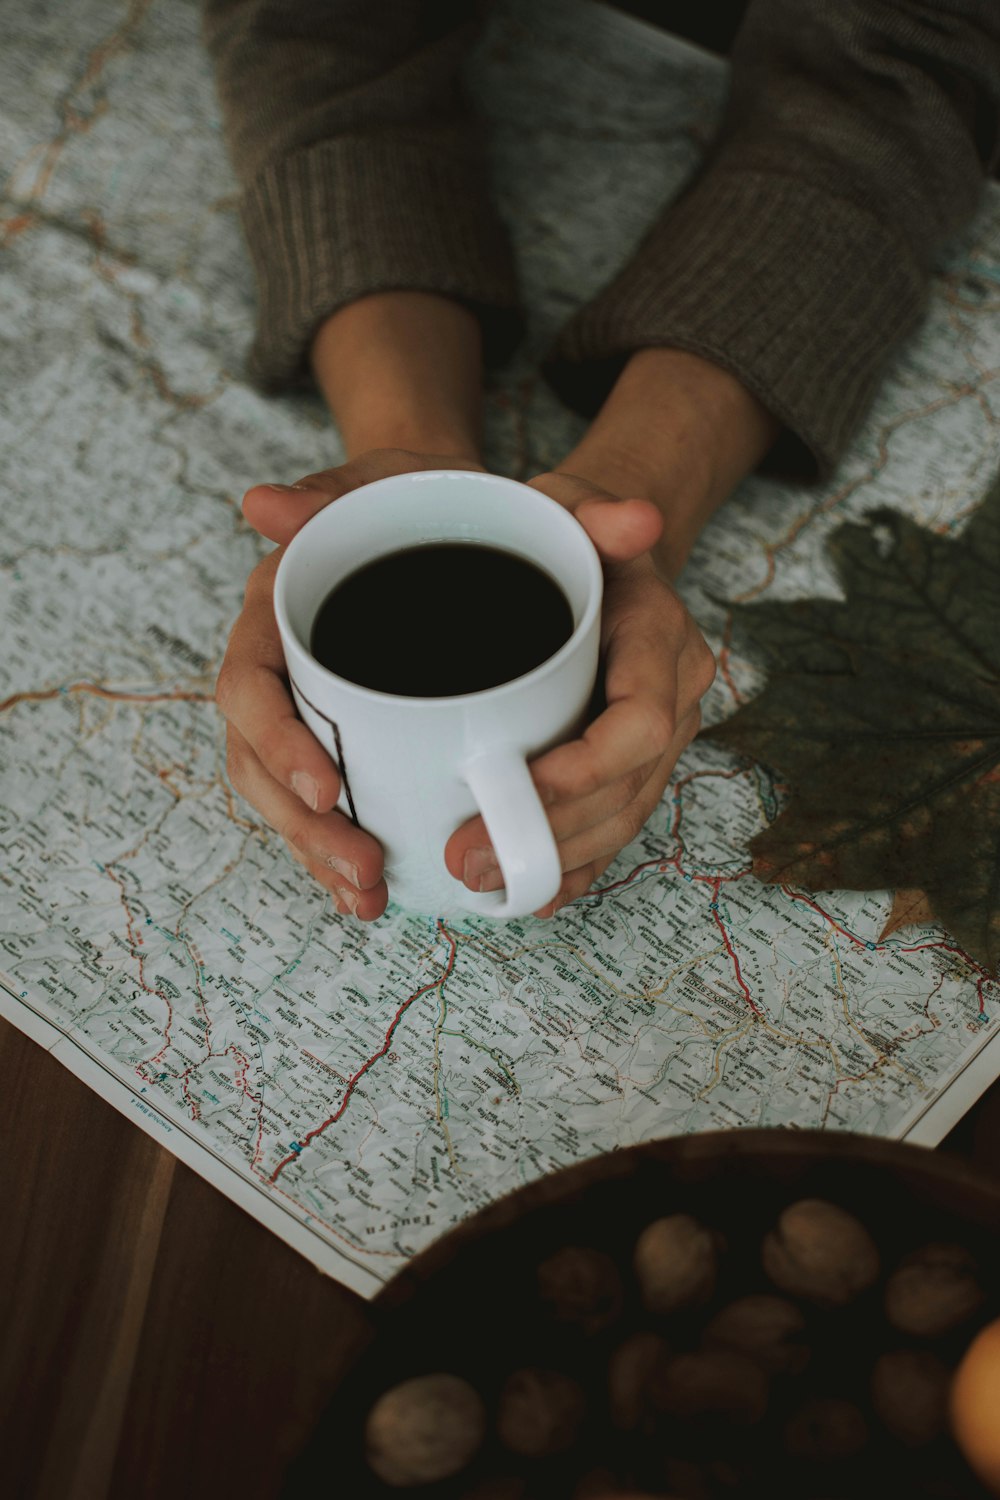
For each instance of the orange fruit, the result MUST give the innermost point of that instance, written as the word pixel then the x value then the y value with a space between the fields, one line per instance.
pixel 975 1405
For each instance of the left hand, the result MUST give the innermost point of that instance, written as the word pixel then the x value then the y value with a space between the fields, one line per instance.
pixel 600 789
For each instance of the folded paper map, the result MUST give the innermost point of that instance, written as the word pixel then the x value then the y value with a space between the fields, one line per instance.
pixel 360 1089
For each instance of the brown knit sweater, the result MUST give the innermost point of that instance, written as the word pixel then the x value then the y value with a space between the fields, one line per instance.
pixel 856 139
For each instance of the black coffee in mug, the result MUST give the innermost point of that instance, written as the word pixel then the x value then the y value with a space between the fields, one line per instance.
pixel 440 619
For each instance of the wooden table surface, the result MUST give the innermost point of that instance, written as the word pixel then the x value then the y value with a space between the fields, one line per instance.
pixel 156 1340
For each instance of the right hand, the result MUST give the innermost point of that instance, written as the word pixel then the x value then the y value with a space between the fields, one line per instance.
pixel 272 758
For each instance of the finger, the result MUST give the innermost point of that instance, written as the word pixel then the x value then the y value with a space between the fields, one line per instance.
pixel 583 837
pixel 610 836
pixel 336 849
pixel 576 815
pixel 252 692
pixel 585 829
pixel 279 511
pixel 574 885
pixel 657 669
pixel 586 858
pixel 629 734
pixel 604 823
pixel 620 529
pixel 367 906
pixel 634 732
pixel 567 819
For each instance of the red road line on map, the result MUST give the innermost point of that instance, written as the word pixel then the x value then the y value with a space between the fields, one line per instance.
pixel 73 121
pixel 648 864
pixel 195 958
pixel 724 653
pixel 716 882
pixel 157 1058
pixel 794 895
pixel 808 901
pixel 137 944
pixel 664 862
pixel 730 950
pixel 42 695
pixel 356 1078
pixel 193 1104
pixel 12 227
pixel 244 1087
pixel 985 976
pixel 241 1079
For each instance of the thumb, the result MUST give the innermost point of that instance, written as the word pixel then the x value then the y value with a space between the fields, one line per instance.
pixel 620 529
pixel 278 511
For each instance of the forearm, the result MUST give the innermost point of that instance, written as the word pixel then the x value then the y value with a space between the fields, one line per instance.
pixel 402 370
pixel 677 430
pixel 855 142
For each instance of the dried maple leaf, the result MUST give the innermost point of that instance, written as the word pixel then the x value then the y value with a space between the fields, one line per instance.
pixel 883 712
pixel 909 909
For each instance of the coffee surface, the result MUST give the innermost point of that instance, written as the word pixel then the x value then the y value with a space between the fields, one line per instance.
pixel 440 619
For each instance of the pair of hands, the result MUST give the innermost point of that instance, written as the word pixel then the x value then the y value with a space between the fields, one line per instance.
pixel 598 789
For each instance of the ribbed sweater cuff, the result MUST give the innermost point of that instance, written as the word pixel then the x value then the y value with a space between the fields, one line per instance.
pixel 320 237
pixel 797 293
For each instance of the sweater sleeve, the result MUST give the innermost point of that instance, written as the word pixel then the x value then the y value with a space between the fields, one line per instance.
pixel 361 165
pixel 855 141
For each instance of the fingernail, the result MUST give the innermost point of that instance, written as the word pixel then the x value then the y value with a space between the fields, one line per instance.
pixel 478 862
pixel 306 787
pixel 492 880
pixel 348 902
pixel 349 872
pixel 288 489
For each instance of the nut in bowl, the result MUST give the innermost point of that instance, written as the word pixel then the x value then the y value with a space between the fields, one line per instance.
pixel 745 1313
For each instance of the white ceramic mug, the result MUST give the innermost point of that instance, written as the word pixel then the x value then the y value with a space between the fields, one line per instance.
pixel 414 769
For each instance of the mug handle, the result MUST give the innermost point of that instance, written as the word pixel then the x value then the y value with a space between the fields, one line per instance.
pixel 519 831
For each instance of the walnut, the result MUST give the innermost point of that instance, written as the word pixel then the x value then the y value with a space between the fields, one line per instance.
pixel 910 1394
pixel 710 1383
pixel 933 1291
pixel 424 1429
pixel 581 1286
pixel 629 1371
pixel 676 1263
pixel 825 1429
pixel 820 1252
pixel 766 1329
pixel 540 1412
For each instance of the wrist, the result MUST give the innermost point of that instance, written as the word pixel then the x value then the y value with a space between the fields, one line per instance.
pixel 680 431
pixel 402 370
pixel 411 434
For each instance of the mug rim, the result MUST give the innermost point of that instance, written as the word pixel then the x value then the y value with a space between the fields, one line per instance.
pixel 297 545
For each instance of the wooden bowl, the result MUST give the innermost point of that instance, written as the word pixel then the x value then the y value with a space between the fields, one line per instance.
pixel 468 1305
